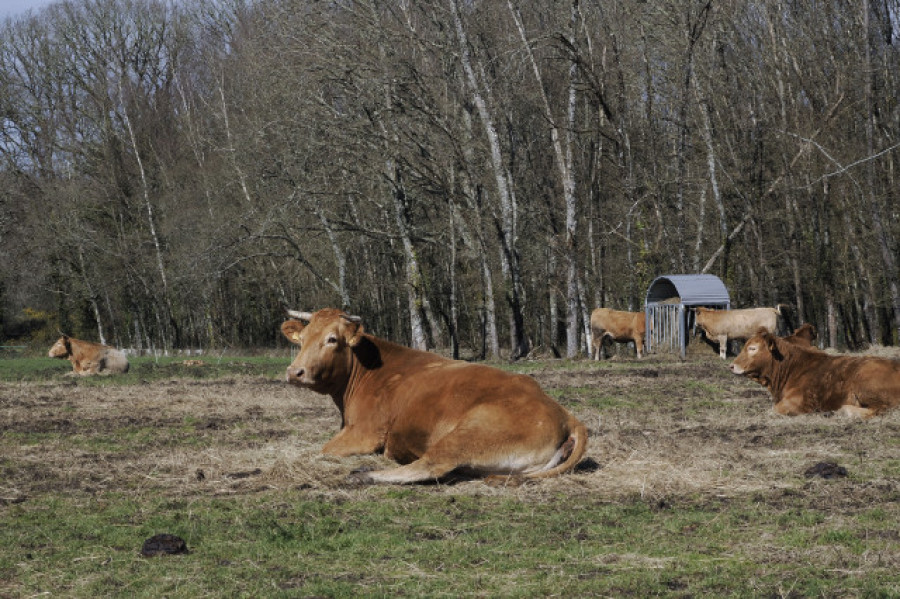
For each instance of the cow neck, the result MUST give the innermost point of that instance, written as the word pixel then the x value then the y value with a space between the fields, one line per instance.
pixel 76 353
pixel 780 371
pixel 365 359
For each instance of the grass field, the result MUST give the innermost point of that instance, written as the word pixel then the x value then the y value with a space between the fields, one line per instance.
pixel 691 487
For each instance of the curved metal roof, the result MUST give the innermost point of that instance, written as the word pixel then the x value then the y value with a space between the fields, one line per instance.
pixel 692 290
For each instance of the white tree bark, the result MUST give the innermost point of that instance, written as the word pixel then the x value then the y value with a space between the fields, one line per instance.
pixel 520 345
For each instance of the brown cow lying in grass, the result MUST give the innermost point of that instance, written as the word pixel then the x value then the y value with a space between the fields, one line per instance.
pixel 429 413
pixel 803 379
pixel 805 334
pixel 616 325
pixel 89 358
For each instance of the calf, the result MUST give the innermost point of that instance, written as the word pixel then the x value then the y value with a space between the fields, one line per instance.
pixel 617 326
pixel 431 414
pixel 803 379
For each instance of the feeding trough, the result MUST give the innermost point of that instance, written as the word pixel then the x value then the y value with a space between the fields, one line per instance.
pixel 667 308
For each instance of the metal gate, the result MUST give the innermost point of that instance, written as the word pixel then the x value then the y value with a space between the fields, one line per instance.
pixel 666 328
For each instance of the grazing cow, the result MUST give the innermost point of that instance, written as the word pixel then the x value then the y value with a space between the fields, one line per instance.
pixel 803 379
pixel 431 414
pixel 722 325
pixel 804 335
pixel 89 358
pixel 617 326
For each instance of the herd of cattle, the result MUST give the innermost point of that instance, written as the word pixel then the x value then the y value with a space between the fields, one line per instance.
pixel 434 415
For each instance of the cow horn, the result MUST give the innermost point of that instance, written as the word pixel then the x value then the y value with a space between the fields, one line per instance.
pixel 307 316
pixel 353 319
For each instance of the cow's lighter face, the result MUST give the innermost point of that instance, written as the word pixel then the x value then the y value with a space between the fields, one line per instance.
pixel 59 349
pixel 755 356
pixel 326 348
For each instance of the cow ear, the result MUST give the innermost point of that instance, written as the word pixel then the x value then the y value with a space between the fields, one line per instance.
pixel 353 329
pixel 772 344
pixel 291 329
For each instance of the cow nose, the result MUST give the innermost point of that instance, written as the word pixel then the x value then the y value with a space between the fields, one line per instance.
pixel 295 373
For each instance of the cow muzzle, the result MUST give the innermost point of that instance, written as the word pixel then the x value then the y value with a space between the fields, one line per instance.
pixel 297 375
pixel 736 369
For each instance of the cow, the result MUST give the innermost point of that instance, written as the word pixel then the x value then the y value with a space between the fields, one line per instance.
pixel 804 380
pixel 618 326
pixel 89 358
pixel 804 335
pixel 431 414
pixel 722 325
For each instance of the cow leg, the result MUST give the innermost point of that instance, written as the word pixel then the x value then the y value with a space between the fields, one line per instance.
pixel 639 347
pixel 605 340
pixel 351 441
pixel 421 470
pixel 723 345
pixel 856 411
pixel 480 446
pixel 788 407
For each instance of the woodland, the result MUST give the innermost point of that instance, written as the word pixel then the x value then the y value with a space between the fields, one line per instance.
pixel 473 176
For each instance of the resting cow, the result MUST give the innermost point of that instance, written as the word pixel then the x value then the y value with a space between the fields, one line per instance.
pixel 429 413
pixel 803 379
pixel 804 335
pixel 89 358
pixel 617 326
pixel 722 325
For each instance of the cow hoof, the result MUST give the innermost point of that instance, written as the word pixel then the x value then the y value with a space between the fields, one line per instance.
pixel 360 477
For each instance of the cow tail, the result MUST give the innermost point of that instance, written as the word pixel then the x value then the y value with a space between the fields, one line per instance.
pixel 784 322
pixel 578 432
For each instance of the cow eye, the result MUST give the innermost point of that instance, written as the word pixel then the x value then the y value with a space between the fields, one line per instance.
pixel 331 339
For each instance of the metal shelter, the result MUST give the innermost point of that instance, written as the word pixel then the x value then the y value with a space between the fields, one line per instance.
pixel 666 308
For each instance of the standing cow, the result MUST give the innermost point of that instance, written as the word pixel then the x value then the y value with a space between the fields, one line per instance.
pixel 803 379
pixel 617 326
pixel 431 414
pixel 89 358
pixel 722 325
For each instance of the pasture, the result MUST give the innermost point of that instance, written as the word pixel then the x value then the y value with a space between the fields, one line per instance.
pixel 691 486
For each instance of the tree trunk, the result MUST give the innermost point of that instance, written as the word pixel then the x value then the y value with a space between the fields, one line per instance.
pixel 166 320
pixel 506 226
pixel 564 163
pixel 882 235
pixel 413 279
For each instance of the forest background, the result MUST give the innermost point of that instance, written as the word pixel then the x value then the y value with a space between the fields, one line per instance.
pixel 469 175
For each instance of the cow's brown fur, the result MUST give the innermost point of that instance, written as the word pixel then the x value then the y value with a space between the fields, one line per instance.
pixel 618 326
pixel 89 358
pixel 805 334
pixel 431 414
pixel 803 379
pixel 722 325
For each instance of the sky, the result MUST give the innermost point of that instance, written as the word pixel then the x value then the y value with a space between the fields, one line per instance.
pixel 12 8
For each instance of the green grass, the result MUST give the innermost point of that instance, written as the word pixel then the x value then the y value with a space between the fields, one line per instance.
pixel 145 368
pixel 414 543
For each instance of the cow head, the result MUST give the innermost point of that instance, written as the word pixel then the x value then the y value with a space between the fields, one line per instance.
pixel 326 339
pixel 758 353
pixel 61 349
pixel 804 335
pixel 700 319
